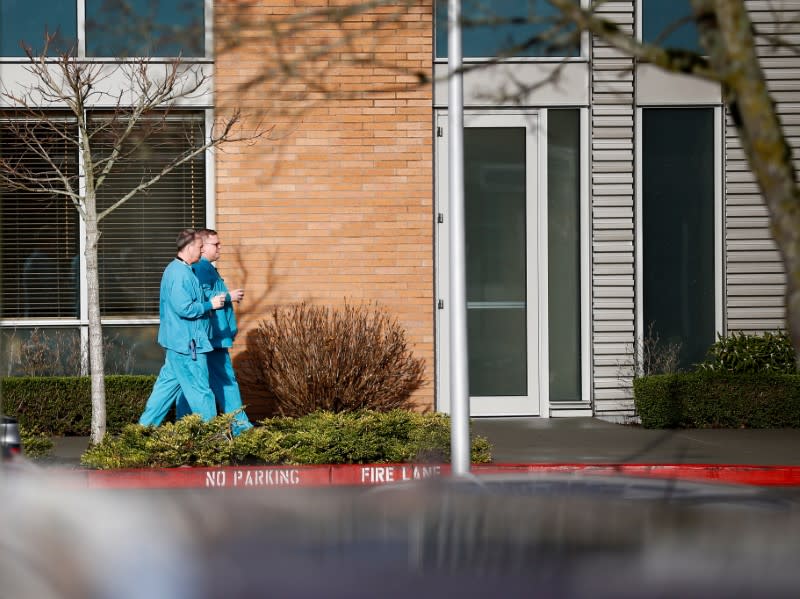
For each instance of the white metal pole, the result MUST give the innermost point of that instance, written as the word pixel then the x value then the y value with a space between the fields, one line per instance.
pixel 459 381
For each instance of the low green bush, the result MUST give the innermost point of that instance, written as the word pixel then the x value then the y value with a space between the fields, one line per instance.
pixel 718 400
pixel 740 353
pixel 35 444
pixel 318 438
pixel 62 405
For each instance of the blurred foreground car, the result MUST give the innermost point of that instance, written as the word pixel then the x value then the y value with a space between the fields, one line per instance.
pixel 568 536
pixel 10 441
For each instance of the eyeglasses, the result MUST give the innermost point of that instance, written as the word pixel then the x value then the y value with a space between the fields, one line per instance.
pixel 214 244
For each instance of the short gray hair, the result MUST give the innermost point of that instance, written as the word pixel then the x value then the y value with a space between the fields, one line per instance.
pixel 185 237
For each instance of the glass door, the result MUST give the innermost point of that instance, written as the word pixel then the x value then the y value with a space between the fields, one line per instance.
pixel 502 221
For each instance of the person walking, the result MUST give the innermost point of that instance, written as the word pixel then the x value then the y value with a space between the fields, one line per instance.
pixel 221 376
pixel 184 333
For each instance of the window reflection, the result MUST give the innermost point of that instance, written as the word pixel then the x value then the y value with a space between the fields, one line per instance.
pixel 40 351
pixel 145 28
pixel 57 351
pixel 26 22
pixel 524 28
pixel 668 23
pixel 132 349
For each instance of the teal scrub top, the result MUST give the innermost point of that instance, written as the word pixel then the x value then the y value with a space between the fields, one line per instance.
pixel 184 311
pixel 223 321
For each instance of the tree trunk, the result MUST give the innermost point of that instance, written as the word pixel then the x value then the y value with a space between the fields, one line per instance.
pixel 96 359
pixel 762 137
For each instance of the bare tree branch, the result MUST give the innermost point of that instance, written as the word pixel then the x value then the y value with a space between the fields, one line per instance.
pixel 676 60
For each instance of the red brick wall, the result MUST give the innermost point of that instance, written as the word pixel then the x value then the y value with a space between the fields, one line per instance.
pixel 335 203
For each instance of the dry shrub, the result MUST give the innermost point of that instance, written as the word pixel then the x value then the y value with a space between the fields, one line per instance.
pixel 339 360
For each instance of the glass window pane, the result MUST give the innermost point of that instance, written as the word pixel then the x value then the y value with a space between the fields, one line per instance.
pixel 668 23
pixel 509 27
pixel 497 356
pixel 138 238
pixel 40 241
pixel 494 179
pixel 57 351
pixel 564 260
pixel 494 175
pixel 145 28
pixel 40 351
pixel 132 350
pixel 678 228
pixel 25 21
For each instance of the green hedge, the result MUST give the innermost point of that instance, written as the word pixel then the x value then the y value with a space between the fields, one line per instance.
pixel 62 405
pixel 318 438
pixel 718 400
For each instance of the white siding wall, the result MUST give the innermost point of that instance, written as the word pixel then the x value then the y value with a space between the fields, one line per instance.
pixel 754 275
pixel 755 279
pixel 612 193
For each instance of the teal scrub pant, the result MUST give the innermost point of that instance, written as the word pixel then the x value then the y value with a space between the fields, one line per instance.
pixel 181 376
pixel 222 380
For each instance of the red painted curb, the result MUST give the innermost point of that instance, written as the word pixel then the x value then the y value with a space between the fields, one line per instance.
pixel 378 474
pixel 729 473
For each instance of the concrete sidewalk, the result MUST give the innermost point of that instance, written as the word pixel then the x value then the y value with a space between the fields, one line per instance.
pixel 593 441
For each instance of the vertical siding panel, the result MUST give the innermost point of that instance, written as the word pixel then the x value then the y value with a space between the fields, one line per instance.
pixel 612 196
pixel 753 305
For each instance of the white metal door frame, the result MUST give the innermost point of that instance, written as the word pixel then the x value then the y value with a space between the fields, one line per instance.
pixel 535 402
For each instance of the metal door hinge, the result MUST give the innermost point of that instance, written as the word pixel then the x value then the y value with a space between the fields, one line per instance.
pixel 440 218
pixel 439 132
pixel 440 304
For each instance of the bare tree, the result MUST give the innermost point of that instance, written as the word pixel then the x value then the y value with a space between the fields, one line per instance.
pixel 65 86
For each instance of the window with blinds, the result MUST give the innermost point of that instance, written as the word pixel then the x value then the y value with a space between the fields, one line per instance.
pixel 40 232
pixel 138 238
pixel 40 240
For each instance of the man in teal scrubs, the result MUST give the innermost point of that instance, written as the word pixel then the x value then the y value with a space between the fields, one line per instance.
pixel 184 333
pixel 223 325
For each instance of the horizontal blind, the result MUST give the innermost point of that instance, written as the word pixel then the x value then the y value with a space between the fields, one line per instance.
pixel 39 230
pixel 138 238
